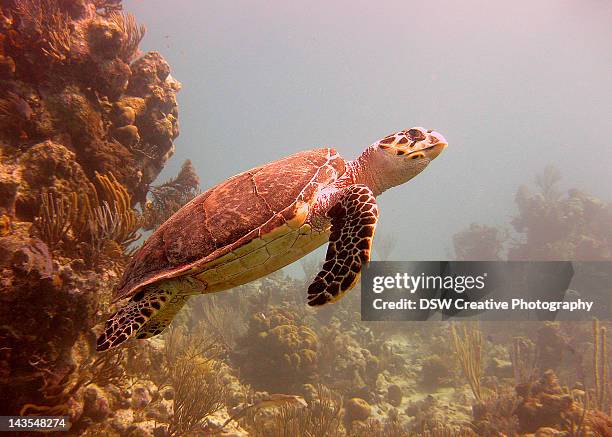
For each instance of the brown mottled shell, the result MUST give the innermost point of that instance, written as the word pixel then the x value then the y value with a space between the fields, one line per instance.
pixel 229 216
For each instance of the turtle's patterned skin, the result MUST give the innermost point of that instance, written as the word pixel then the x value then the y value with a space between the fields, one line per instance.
pixel 164 303
pixel 262 220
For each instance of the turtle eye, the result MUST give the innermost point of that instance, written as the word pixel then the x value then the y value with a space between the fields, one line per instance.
pixel 416 134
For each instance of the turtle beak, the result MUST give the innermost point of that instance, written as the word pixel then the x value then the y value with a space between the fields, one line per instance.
pixel 437 143
pixel 437 138
pixel 430 146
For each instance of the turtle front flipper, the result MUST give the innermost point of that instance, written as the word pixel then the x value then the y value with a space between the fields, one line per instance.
pixel 147 314
pixel 353 220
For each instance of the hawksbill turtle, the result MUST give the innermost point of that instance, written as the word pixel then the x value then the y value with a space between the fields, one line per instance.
pixel 263 219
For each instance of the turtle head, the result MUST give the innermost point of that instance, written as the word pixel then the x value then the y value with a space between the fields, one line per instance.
pixel 398 157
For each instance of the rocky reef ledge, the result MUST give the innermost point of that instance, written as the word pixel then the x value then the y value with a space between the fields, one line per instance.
pixel 87 122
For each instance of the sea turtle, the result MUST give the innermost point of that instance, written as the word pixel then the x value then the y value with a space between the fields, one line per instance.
pixel 262 220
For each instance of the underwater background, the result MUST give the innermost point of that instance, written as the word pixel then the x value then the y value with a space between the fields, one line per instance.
pixel 91 161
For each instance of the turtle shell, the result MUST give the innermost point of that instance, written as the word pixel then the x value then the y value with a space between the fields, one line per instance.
pixel 229 216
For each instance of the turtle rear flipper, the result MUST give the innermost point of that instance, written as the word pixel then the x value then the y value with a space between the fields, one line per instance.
pixel 147 314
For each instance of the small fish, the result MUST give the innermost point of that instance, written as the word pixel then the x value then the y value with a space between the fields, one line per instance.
pixel 278 400
pixel 272 401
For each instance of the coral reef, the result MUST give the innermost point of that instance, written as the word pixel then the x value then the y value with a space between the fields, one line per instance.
pixel 321 416
pixel 278 350
pixel 357 409
pixel 436 372
pixel 193 372
pixel 78 84
pixel 394 395
pixel 86 124
pixel 468 347
pixel 545 405
pixel 345 363
pixel 552 226
pixel 168 197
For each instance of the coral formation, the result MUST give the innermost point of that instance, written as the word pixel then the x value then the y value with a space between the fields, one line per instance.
pixel 394 395
pixel 552 226
pixel 468 347
pixel 168 197
pixel 357 409
pixel 280 351
pixel 71 77
pixel 436 372
pixel 544 405
pixel 75 69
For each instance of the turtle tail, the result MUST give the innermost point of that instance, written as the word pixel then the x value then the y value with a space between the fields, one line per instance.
pixel 146 315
